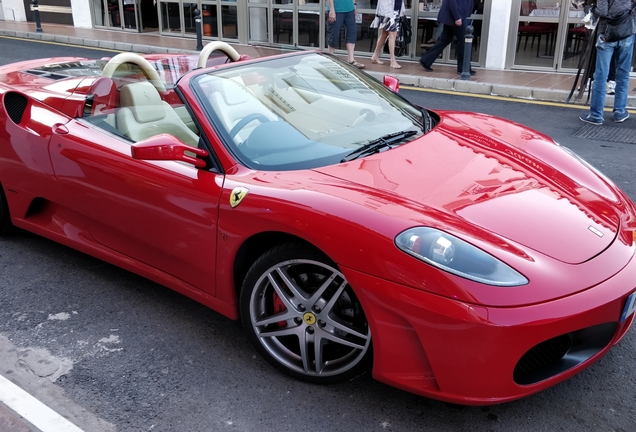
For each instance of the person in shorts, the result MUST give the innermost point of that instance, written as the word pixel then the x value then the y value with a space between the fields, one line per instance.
pixel 342 13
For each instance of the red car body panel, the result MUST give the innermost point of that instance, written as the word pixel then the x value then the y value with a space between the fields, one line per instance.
pixel 505 189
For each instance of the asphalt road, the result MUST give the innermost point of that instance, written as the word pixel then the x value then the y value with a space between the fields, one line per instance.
pixel 113 351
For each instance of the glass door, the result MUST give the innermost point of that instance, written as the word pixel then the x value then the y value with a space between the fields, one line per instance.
pixel 427 30
pixel 259 24
pixel 308 23
pixel 575 37
pixel 549 34
pixel 171 17
pixel 132 14
pixel 283 12
pixel 119 14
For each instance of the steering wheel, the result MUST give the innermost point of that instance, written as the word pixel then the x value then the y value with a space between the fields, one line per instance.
pixel 247 120
pixel 365 115
pixel 214 46
pixel 151 74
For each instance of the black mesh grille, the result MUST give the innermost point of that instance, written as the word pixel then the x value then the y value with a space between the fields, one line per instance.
pixel 15 104
pixel 561 353
pixel 540 356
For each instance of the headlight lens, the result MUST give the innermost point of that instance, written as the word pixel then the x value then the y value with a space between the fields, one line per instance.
pixel 455 256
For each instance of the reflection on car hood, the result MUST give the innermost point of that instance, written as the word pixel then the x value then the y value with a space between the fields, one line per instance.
pixel 502 177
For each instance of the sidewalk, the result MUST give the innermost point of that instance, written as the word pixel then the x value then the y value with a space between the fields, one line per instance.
pixel 544 86
pixel 11 422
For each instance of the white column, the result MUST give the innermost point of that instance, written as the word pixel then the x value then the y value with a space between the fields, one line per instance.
pixel 13 10
pixel 499 33
pixel 82 13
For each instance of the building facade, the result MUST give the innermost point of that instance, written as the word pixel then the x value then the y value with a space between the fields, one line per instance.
pixel 508 34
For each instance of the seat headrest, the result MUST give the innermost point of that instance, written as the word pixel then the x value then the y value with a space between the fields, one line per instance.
pixel 232 92
pixel 144 101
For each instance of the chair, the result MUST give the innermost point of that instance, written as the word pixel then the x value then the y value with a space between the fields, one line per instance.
pixel 143 114
pixel 576 35
pixel 536 31
pixel 232 102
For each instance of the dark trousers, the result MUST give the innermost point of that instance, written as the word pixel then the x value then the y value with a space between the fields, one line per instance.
pixel 448 33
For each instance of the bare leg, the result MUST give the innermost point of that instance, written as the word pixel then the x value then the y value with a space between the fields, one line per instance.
pixel 350 48
pixel 378 47
pixel 392 37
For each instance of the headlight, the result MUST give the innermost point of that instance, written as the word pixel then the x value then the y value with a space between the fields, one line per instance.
pixel 455 256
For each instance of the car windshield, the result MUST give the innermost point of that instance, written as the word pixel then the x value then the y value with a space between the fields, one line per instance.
pixel 304 111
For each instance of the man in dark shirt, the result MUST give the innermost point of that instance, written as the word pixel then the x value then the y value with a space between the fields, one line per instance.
pixel 453 15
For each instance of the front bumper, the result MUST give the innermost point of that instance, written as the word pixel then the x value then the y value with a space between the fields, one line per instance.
pixel 467 354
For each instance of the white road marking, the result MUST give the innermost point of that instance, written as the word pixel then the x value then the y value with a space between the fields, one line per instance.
pixel 62 316
pixel 32 410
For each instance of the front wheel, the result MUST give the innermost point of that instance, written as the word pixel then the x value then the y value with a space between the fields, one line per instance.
pixel 303 316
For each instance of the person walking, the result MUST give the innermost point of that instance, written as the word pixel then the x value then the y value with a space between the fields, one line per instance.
pixel 453 15
pixel 386 20
pixel 342 12
pixel 622 50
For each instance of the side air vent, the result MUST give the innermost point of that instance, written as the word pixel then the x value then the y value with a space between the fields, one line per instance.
pixel 15 104
pixel 46 74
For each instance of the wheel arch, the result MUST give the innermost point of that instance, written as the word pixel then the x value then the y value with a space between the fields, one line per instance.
pixel 254 246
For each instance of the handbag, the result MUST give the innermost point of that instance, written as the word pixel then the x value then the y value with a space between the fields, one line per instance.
pixel 403 38
pixel 619 27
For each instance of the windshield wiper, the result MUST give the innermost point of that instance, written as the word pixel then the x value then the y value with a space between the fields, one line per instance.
pixel 376 145
pixel 428 120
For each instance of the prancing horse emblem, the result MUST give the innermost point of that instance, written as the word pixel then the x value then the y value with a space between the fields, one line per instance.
pixel 238 193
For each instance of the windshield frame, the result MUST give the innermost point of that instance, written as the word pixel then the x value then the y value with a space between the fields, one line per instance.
pixel 410 114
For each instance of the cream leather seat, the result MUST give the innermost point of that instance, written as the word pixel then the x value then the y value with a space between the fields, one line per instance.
pixel 143 114
pixel 232 102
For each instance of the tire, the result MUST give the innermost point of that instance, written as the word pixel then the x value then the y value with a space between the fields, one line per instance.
pixel 303 316
pixel 5 217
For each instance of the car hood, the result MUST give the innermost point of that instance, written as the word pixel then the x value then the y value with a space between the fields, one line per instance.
pixel 490 173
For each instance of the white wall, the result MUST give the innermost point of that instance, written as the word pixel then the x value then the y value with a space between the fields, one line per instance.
pixel 82 13
pixel 13 10
pixel 498 33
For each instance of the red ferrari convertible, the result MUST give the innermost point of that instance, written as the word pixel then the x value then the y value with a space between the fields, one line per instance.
pixel 458 256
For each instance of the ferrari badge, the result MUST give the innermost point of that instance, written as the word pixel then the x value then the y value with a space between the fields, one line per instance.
pixel 238 193
pixel 309 318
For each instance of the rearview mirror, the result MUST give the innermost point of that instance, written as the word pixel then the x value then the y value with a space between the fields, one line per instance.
pixel 392 83
pixel 167 148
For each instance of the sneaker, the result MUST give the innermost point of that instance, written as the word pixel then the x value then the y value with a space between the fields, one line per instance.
pixel 590 120
pixel 610 87
pixel 587 85
pixel 620 117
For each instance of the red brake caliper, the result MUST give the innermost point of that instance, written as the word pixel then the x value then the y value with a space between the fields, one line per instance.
pixel 279 306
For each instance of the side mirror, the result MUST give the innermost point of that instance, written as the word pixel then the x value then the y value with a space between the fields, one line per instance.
pixel 392 83
pixel 167 148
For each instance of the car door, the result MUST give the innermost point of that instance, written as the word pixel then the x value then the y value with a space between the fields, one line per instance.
pixel 25 167
pixel 161 213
